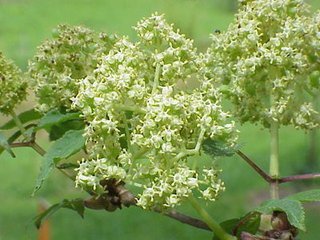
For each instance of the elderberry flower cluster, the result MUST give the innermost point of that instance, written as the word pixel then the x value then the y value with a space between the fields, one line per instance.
pixel 264 62
pixel 12 85
pixel 63 61
pixel 147 112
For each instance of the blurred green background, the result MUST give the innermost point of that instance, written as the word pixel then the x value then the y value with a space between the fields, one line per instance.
pixel 26 23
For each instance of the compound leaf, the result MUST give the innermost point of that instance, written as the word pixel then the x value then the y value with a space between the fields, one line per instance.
pixel 70 143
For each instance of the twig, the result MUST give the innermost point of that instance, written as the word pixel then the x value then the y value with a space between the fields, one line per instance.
pixel 278 180
pixel 197 223
pixel 31 144
pixel 38 149
pixel 255 167
pixel 299 177
pixel 20 144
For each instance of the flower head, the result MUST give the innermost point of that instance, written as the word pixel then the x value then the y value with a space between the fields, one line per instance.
pixel 12 85
pixel 148 108
pixel 265 59
pixel 63 61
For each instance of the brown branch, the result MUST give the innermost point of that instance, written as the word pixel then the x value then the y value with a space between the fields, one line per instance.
pixel 94 202
pixel 38 149
pixel 262 173
pixel 197 223
pixel 31 144
pixel 299 177
pixel 272 180
pixel 118 195
pixel 20 144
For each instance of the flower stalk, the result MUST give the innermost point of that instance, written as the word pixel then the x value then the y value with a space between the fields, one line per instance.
pixel 20 125
pixel 213 225
pixel 274 159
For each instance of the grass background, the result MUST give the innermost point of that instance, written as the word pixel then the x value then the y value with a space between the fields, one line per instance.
pixel 26 23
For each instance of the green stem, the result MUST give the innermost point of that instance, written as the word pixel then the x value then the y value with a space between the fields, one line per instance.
pixel 19 125
pixel 38 149
pixel 129 108
pixel 156 78
pixel 274 159
pixel 140 153
pixel 127 133
pixel 213 225
pixel 189 152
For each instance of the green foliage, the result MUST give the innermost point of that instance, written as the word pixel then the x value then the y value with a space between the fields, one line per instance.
pixel 216 148
pixel 292 208
pixel 24 117
pixel 75 205
pixel 70 143
pixel 55 117
pixel 57 123
pixel 249 223
pixel 307 196
pixel 4 145
pixel 142 121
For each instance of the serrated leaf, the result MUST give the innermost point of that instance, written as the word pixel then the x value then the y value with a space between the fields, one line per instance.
pixel 249 223
pixel 307 196
pixel 55 117
pixel 76 205
pixel 70 143
pixel 217 148
pixel 24 117
pixel 4 145
pixel 293 209
pixel 57 131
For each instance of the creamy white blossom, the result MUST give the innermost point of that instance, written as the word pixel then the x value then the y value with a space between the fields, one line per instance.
pixel 144 118
pixel 264 62
pixel 63 61
pixel 12 85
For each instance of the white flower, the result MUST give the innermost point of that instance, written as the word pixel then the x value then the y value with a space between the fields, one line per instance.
pixel 141 125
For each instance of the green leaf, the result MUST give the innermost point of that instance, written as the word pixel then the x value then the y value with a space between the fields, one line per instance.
pixel 76 205
pixel 307 196
pixel 55 117
pixel 24 117
pixel 4 145
pixel 57 131
pixel 249 223
pixel 70 143
pixel 292 208
pixel 217 148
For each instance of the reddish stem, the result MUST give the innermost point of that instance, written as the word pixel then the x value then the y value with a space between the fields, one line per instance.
pixel 299 177
pixel 262 173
